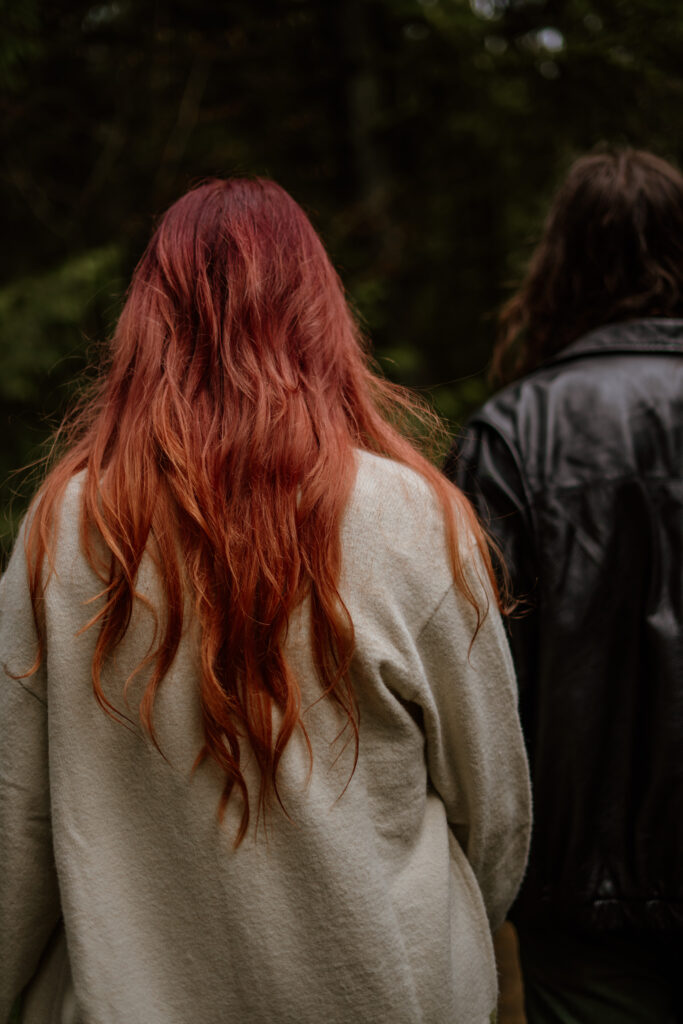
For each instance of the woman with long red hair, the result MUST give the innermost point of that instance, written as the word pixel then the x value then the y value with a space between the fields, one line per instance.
pixel 260 755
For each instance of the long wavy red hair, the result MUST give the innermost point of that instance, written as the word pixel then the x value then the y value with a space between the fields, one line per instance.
pixel 220 442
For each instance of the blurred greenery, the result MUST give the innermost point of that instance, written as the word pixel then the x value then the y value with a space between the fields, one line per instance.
pixel 424 137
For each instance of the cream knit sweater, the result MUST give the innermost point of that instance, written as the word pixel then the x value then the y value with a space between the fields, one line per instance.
pixel 122 900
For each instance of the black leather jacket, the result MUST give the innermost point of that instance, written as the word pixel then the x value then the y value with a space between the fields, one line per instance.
pixel 578 471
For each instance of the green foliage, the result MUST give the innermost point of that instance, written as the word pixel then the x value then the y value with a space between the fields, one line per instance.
pixel 423 136
pixel 41 316
pixel 19 43
pixel 45 352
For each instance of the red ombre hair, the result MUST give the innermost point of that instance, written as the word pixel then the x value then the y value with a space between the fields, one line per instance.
pixel 221 443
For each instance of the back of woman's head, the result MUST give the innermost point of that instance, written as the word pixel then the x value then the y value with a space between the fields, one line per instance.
pixel 611 250
pixel 220 443
pixel 242 315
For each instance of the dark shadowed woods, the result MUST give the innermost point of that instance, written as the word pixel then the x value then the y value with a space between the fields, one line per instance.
pixel 423 137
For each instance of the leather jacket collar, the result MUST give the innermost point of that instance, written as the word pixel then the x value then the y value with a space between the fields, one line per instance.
pixel 651 335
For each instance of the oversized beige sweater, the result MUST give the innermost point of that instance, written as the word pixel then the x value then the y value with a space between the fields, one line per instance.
pixel 122 900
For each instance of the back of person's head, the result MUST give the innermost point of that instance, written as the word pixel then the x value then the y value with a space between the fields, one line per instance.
pixel 221 441
pixel 611 250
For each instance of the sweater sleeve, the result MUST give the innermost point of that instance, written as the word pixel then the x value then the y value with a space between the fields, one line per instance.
pixel 475 751
pixel 29 897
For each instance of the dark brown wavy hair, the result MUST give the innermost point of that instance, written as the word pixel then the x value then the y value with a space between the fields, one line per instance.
pixel 220 442
pixel 611 250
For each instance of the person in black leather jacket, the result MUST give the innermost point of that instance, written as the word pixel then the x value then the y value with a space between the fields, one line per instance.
pixel 577 469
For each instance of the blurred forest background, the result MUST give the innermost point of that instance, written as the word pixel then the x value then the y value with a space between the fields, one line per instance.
pixel 424 138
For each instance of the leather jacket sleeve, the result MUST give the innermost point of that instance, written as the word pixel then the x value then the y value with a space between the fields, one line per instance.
pixel 484 464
